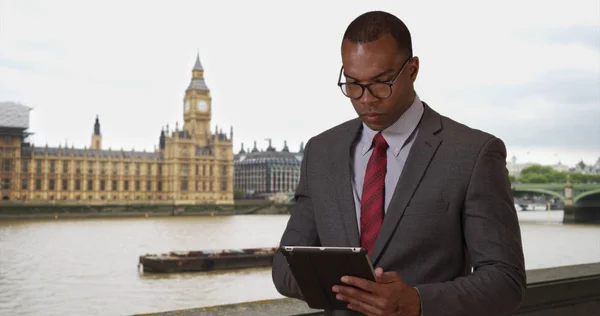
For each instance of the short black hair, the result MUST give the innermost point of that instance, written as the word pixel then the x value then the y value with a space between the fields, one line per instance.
pixel 371 26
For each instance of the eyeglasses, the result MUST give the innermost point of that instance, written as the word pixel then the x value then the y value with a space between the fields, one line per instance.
pixel 381 90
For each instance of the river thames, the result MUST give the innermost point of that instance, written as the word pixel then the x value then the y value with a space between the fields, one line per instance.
pixel 77 267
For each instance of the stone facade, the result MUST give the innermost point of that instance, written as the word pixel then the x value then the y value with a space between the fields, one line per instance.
pixel 190 165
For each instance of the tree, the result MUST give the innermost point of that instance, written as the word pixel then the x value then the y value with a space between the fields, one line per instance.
pixel 534 178
pixel 542 174
pixel 539 169
pixel 545 174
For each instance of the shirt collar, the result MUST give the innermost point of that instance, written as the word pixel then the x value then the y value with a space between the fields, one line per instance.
pixel 398 133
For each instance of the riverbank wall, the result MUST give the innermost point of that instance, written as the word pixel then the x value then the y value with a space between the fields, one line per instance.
pixel 558 291
pixel 65 209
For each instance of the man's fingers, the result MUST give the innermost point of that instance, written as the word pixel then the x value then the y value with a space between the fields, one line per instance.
pixel 363 307
pixel 358 297
pixel 361 283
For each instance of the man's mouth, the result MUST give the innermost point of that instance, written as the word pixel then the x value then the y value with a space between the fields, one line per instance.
pixel 372 117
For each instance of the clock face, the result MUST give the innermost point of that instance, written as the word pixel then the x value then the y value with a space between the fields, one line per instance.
pixel 202 106
pixel 187 105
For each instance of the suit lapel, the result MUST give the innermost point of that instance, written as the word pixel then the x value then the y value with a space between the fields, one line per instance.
pixel 342 169
pixel 421 153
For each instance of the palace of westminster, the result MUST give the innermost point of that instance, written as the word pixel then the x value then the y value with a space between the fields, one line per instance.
pixel 191 165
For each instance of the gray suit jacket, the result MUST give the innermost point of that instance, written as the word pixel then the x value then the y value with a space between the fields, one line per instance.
pixel 452 211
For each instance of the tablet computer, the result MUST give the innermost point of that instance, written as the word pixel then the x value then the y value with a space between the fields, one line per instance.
pixel 318 269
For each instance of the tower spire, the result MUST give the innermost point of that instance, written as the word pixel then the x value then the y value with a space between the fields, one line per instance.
pixel 96 136
pixel 97 126
pixel 285 147
pixel 197 82
pixel 198 65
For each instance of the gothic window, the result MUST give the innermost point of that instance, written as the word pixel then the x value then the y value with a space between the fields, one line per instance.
pixel 24 166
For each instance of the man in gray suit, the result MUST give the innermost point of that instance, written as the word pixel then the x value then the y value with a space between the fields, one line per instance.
pixel 429 198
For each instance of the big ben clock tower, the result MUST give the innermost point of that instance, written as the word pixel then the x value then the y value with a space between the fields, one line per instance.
pixel 197 106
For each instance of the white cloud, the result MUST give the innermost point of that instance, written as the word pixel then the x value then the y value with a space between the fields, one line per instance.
pixel 271 66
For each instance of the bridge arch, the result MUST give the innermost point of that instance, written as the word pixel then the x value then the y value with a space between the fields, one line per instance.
pixel 585 194
pixel 544 191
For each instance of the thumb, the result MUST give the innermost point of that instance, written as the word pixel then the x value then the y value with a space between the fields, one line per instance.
pixel 378 274
pixel 386 277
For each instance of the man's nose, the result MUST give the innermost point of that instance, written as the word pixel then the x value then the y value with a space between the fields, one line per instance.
pixel 367 97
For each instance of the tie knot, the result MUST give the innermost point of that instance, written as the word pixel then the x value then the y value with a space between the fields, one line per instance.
pixel 379 142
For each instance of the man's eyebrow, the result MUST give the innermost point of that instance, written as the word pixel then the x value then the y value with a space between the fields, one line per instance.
pixel 374 77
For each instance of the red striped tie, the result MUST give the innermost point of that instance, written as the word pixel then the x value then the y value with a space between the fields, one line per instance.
pixel 372 200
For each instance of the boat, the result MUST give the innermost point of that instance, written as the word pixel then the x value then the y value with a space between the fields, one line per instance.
pixel 206 260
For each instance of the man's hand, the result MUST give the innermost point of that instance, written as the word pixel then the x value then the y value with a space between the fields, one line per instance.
pixel 388 296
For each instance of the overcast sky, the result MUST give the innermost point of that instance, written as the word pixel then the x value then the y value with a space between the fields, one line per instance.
pixel 526 71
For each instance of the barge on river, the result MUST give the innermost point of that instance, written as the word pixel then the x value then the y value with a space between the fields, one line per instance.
pixel 207 260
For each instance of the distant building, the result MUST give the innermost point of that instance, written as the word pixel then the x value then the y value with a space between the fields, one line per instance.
pixel 581 167
pixel 265 173
pixel 14 122
pixel 560 167
pixel 190 164
pixel 514 168
pixel 14 116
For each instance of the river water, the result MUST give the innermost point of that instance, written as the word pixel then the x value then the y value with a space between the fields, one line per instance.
pixel 77 267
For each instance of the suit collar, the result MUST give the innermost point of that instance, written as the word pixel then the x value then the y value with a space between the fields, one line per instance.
pixel 398 133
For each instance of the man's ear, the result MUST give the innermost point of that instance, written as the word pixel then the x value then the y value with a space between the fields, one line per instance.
pixel 413 68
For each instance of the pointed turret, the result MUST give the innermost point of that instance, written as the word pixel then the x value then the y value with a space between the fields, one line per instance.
pixel 161 139
pixel 255 149
pixel 270 148
pixel 198 65
pixel 97 126
pixel 301 147
pixel 197 82
pixel 242 151
pixel 96 136
pixel 285 147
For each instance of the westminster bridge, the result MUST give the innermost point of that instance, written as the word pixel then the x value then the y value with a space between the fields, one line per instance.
pixel 581 200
